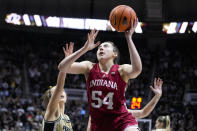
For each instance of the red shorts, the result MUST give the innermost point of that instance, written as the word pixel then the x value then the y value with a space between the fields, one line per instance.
pixel 112 122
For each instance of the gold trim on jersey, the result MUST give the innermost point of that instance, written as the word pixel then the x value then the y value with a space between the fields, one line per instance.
pixel 61 124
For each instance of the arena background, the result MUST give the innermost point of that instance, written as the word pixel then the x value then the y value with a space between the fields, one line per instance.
pixel 29 56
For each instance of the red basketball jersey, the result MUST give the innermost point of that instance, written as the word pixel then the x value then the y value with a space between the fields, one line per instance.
pixel 106 98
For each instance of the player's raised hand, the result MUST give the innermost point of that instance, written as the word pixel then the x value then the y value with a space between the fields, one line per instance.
pixel 90 43
pixel 69 49
pixel 130 32
pixel 157 87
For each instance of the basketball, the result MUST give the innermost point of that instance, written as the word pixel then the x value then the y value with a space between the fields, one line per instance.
pixel 121 16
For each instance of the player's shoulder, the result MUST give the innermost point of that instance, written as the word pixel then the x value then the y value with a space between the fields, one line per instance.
pixel 68 125
pixel 89 64
pixel 85 62
pixel 125 65
pixel 67 118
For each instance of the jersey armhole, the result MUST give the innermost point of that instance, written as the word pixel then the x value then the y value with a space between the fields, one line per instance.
pixel 54 120
pixel 87 75
pixel 120 75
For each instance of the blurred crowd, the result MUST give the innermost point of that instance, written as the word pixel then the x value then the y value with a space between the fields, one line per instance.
pixel 28 69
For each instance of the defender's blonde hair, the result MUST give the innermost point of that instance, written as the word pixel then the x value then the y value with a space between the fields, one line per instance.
pixel 166 121
pixel 46 97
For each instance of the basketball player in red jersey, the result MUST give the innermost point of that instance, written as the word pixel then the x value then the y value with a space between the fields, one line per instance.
pixel 106 82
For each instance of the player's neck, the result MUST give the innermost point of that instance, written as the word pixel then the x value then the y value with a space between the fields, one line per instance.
pixel 105 66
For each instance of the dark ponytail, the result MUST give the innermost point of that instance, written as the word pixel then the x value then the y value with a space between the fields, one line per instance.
pixel 115 49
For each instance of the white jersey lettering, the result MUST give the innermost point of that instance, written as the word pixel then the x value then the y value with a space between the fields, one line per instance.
pixel 106 83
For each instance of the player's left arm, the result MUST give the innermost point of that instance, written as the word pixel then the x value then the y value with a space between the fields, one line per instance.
pixel 151 105
pixel 52 106
pixel 135 68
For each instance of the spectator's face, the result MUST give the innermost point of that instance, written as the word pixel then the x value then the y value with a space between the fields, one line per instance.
pixel 158 125
pixel 62 97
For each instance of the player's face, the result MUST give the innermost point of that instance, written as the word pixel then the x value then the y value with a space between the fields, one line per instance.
pixel 62 97
pixel 105 51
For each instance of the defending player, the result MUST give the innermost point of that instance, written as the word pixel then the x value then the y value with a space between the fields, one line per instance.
pixel 162 123
pixel 54 100
pixel 106 82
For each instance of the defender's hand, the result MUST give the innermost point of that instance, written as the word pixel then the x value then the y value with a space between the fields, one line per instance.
pixel 157 87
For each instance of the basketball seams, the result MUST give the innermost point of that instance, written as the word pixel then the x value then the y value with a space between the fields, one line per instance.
pixel 130 19
pixel 121 17
pixel 132 16
pixel 113 15
pixel 111 18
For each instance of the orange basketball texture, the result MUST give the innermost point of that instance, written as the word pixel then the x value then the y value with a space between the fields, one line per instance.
pixel 121 16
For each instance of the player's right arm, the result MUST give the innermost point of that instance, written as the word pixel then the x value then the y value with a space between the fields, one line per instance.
pixel 53 110
pixel 89 124
pixel 130 71
pixel 79 67
pixel 151 105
